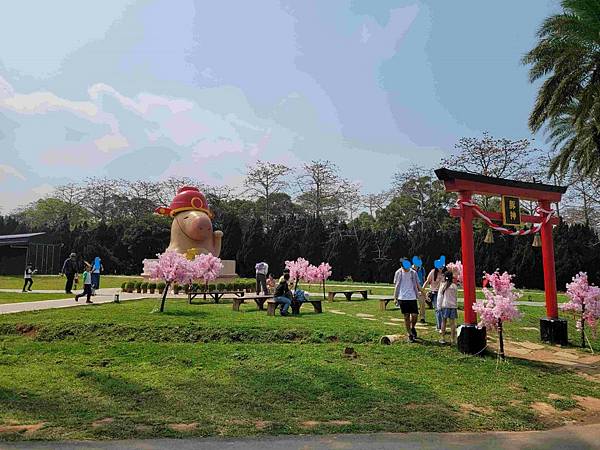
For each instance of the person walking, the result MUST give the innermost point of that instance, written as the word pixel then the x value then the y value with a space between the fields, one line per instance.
pixel 97 269
pixel 448 306
pixel 434 279
pixel 262 268
pixel 28 277
pixel 87 284
pixel 69 269
pixel 420 271
pixel 406 292
pixel 283 295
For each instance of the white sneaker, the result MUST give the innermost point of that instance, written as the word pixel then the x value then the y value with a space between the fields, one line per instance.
pixel 442 341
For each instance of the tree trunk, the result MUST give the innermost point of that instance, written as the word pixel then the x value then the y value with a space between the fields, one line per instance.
pixel 582 326
pixel 501 338
pixel 324 290
pixel 164 298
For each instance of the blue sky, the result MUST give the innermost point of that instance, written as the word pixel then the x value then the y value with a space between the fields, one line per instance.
pixel 154 88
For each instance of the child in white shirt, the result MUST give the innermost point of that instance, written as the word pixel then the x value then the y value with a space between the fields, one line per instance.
pixel 447 304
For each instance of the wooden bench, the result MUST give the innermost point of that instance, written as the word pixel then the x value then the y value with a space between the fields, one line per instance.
pixel 348 294
pixel 383 302
pixel 258 299
pixel 272 306
pixel 215 295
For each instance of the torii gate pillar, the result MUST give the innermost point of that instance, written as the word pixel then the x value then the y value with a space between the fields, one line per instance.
pixel 471 339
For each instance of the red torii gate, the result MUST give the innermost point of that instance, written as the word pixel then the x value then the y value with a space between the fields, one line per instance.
pixel 553 329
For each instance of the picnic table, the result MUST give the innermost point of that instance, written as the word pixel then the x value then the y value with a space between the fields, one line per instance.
pixel 383 302
pixel 258 299
pixel 347 293
pixel 215 295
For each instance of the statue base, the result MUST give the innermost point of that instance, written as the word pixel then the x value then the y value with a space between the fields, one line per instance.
pixel 227 273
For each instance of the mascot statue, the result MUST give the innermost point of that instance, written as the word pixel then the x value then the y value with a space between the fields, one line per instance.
pixel 191 231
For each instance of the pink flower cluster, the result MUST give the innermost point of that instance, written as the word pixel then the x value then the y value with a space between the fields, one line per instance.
pixel 583 297
pixel 297 268
pixel 174 267
pixel 206 267
pixel 499 302
pixel 457 269
pixel 301 269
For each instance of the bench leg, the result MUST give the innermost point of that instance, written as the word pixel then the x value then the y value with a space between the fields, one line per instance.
pixel 260 303
pixel 236 304
pixel 348 296
pixel 364 295
pixel 330 296
pixel 271 309
pixel 382 305
pixel 318 307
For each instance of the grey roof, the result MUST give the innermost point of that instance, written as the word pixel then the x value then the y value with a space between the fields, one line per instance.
pixel 15 239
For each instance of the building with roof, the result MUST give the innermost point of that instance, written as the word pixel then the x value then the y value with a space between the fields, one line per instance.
pixel 18 249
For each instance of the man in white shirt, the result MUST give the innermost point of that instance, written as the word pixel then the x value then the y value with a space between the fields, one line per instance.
pixel 262 269
pixel 406 292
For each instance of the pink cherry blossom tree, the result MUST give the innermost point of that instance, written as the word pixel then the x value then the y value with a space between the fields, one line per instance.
pixel 457 269
pixel 171 267
pixel 499 305
pixel 297 270
pixel 322 274
pixel 584 300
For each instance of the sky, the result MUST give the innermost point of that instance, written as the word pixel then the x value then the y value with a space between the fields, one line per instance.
pixel 147 89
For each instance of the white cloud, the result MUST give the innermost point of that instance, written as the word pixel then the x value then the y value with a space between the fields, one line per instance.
pixel 9 171
pixel 111 142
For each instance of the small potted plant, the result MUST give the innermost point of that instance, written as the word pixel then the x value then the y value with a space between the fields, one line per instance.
pixel 212 287
pixel 250 286
pixel 124 286
pixel 130 286
pixel 161 287
pixel 229 287
pixel 138 287
pixel 152 287
pixel 176 288
pixel 144 287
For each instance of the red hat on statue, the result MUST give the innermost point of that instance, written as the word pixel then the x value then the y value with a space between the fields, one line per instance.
pixel 188 198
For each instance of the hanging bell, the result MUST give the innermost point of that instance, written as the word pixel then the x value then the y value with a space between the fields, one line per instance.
pixel 489 237
pixel 537 241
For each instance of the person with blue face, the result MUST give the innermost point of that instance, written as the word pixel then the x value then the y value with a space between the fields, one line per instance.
pixel 406 292
pixel 417 266
pixel 434 279
pixel 97 268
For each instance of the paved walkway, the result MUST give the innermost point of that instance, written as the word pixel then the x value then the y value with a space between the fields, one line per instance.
pixel 106 295
pixel 564 438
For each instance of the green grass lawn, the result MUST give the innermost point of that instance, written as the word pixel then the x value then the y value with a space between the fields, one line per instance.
pixel 119 371
pixel 18 297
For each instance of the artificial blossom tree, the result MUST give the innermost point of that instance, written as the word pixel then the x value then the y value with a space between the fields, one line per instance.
pixel 499 305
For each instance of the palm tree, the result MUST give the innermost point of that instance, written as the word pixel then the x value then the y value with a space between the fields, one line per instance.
pixel 567 55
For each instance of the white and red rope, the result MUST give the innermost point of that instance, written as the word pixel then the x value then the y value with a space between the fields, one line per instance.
pixel 534 229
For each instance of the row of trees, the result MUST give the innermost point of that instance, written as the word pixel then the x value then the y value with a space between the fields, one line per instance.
pixel 318 214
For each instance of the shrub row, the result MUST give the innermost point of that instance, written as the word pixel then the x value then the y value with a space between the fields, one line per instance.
pixel 147 286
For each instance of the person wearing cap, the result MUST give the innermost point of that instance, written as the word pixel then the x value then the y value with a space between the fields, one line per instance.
pixel 69 269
